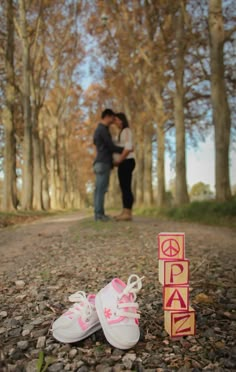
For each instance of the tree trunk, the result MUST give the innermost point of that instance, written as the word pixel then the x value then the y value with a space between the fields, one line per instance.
pixel 43 163
pixel 37 194
pixel 63 178
pixel 181 183
pixel 139 173
pixel 147 180
pixel 44 173
pixel 161 193
pixel 9 187
pixel 54 169
pixel 160 116
pixel 37 175
pixel 220 106
pixel 27 191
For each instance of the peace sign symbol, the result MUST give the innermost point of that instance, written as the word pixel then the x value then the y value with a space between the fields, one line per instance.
pixel 170 247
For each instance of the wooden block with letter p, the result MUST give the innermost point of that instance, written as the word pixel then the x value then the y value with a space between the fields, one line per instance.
pixel 171 246
pixel 178 324
pixel 176 298
pixel 174 273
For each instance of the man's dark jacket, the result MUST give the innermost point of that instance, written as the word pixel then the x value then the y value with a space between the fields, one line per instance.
pixel 104 145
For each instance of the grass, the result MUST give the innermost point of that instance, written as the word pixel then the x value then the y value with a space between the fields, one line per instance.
pixel 18 217
pixel 45 275
pixel 96 225
pixel 206 212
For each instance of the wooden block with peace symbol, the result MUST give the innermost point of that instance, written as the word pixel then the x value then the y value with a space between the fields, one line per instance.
pixel 171 246
pixel 179 324
pixel 174 273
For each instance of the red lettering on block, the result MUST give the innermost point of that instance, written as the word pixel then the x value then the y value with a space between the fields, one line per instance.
pixel 176 272
pixel 182 319
pixel 176 298
pixel 178 324
pixel 171 246
pixel 173 273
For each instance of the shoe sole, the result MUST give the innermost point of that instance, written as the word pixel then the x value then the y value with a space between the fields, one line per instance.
pixel 123 219
pixel 109 337
pixel 90 331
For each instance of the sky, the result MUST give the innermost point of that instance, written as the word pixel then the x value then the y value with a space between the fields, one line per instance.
pixel 201 164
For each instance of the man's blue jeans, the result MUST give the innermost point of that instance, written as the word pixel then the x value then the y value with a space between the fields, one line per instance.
pixel 102 172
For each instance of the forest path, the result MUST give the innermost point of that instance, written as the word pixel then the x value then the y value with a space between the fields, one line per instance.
pixel 21 241
pixel 18 242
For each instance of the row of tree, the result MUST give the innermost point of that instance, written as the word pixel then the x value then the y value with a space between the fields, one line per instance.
pixel 170 67
pixel 43 143
pixel 167 65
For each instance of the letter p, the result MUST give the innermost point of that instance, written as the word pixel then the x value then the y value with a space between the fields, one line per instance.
pixel 176 272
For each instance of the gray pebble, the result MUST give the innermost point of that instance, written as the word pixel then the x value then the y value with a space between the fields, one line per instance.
pixel 20 298
pixel 20 283
pixel 128 363
pixel 57 367
pixel 25 332
pixel 103 368
pixel 23 345
pixel 3 314
pixel 72 353
pixel 15 332
pixel 38 333
pixel 83 369
pixel 16 354
pixel 32 366
pixel 41 342
pixel 38 321
pixel 2 330
pixel 230 363
pixel 118 368
pixel 118 352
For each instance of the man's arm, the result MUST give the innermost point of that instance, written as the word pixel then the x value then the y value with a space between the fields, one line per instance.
pixel 106 137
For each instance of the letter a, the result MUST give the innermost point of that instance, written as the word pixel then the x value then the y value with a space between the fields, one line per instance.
pixel 176 298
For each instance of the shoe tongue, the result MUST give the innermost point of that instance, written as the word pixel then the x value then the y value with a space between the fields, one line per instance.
pixel 118 285
pixel 91 298
pixel 69 314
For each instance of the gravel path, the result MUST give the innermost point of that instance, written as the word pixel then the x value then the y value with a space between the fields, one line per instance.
pixel 42 263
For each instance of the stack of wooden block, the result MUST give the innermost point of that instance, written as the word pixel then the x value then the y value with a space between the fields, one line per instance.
pixel 179 316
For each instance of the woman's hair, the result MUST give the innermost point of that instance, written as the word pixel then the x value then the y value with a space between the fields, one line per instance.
pixel 123 118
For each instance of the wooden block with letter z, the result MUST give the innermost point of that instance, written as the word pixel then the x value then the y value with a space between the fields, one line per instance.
pixel 178 324
pixel 174 272
pixel 176 298
pixel 171 246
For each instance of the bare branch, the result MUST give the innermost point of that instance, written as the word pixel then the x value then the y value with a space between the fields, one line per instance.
pixel 228 34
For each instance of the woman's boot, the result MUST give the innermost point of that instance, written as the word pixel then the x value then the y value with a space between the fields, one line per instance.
pixel 119 215
pixel 125 216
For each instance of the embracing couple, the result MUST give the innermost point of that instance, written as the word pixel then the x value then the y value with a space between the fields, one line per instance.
pixel 108 155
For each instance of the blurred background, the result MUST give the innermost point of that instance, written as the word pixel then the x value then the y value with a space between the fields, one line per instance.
pixel 169 65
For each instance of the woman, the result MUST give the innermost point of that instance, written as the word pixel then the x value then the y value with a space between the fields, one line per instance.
pixel 126 165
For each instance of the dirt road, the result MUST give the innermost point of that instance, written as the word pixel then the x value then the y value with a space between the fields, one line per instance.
pixel 44 262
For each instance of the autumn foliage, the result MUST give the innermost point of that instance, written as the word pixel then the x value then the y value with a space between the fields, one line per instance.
pixel 166 64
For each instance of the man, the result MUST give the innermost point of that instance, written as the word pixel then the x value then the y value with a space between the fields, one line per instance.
pixel 103 162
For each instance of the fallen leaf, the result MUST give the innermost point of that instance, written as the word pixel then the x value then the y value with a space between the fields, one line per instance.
pixel 203 298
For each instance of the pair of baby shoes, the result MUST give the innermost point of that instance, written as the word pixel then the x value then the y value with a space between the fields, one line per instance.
pixel 113 308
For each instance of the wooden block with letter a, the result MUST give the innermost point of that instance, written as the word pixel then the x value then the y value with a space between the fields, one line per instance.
pixel 180 323
pixel 174 272
pixel 171 246
pixel 176 298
